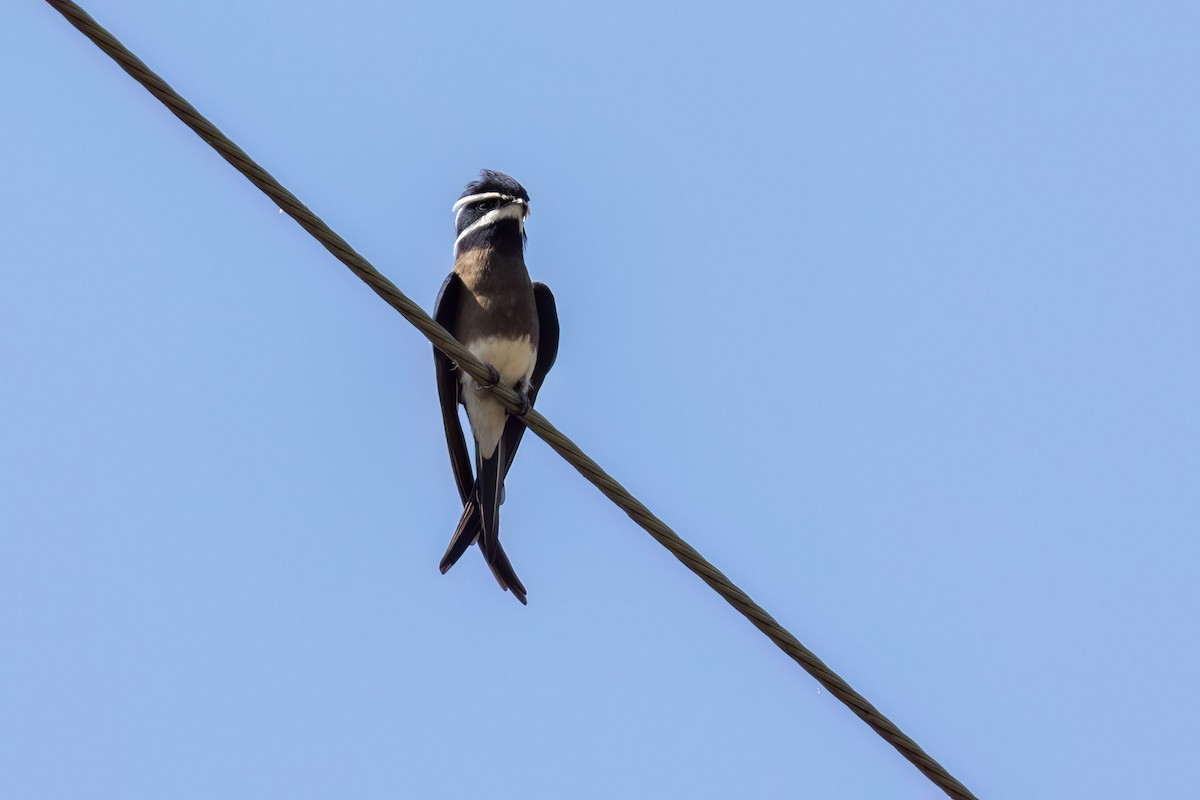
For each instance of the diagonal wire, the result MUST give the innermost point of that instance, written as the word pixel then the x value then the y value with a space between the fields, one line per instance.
pixel 446 343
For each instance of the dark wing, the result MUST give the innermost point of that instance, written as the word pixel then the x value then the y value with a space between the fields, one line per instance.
pixel 547 335
pixel 547 352
pixel 445 311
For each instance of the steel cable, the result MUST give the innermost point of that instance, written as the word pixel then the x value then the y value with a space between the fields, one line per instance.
pixel 561 444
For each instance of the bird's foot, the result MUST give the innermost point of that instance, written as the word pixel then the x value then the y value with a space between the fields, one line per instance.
pixel 493 378
pixel 524 402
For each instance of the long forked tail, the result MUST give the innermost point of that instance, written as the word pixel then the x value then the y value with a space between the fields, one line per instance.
pixel 480 523
pixel 505 575
pixel 489 490
pixel 464 535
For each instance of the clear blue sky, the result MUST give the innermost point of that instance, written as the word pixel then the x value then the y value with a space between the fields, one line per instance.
pixel 890 310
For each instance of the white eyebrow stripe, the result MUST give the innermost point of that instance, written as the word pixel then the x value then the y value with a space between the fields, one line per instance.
pixel 461 205
pixel 463 202
pixel 475 198
pixel 513 210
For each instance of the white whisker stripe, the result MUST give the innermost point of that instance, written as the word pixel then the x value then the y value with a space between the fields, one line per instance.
pixel 459 207
pixel 516 210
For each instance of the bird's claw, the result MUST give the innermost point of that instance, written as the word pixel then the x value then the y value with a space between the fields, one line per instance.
pixel 524 403
pixel 493 378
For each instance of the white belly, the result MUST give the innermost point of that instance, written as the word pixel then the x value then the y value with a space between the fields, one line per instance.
pixel 514 360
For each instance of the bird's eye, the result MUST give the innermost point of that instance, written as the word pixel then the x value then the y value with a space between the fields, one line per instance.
pixel 487 205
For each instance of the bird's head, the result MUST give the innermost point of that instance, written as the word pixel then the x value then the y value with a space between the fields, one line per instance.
pixel 494 201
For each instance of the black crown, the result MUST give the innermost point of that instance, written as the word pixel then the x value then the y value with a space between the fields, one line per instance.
pixel 492 181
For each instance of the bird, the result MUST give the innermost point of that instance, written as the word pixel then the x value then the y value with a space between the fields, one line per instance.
pixel 508 322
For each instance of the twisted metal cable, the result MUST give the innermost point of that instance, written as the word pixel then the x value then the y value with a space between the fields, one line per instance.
pixel 561 444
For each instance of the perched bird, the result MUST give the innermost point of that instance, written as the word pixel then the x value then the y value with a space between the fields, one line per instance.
pixel 509 323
